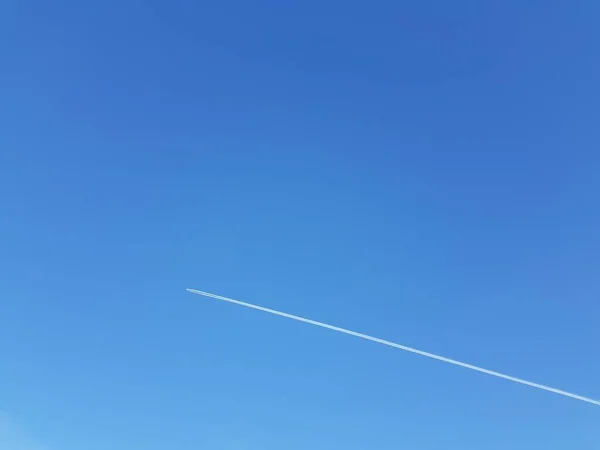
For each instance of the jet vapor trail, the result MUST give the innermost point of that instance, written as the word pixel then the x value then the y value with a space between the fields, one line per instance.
pixel 399 346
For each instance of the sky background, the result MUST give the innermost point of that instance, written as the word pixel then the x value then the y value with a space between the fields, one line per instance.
pixel 426 172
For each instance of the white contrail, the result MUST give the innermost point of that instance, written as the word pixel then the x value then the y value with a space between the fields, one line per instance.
pixel 401 347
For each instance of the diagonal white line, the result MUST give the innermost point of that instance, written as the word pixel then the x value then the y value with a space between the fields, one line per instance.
pixel 399 346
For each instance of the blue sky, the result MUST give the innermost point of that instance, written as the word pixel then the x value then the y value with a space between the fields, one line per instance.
pixel 425 172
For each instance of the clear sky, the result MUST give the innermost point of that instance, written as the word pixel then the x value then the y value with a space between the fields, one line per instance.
pixel 426 172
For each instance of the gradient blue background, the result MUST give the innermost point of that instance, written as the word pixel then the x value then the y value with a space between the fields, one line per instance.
pixel 427 172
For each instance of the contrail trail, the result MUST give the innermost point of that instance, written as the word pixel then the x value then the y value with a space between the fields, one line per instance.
pixel 401 347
